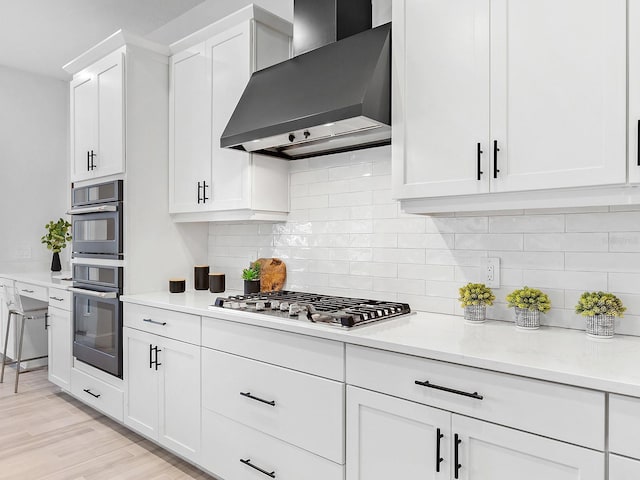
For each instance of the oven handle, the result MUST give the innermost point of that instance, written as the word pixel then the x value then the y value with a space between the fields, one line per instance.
pixel 97 209
pixel 93 293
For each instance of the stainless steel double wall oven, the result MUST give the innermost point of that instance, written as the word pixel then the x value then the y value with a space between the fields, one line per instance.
pixel 97 226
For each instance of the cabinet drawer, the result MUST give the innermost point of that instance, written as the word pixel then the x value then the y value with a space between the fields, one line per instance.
pixel 225 443
pixel 298 408
pixel 567 413
pixel 622 468
pixel 6 282
pixel 59 299
pixel 179 326
pixel 317 356
pixel 624 425
pixel 100 395
pixel 32 291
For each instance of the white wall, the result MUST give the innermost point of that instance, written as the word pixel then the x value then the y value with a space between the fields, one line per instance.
pixel 346 236
pixel 33 165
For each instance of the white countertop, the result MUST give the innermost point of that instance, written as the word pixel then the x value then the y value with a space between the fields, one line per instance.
pixel 44 279
pixel 553 354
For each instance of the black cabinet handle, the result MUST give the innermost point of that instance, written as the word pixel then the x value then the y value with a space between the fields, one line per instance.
pixel 156 349
pixel 26 290
pixel 199 198
pixel 255 467
pixel 46 321
pixel 204 191
pixel 439 459
pixel 456 455
pixel 57 299
pixel 638 139
pixel 258 399
pixel 480 152
pixel 495 159
pixel 150 355
pixel 427 384
pixel 88 161
pixel 149 320
pixel 91 393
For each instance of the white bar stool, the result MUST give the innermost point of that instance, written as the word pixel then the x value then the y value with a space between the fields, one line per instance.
pixel 14 306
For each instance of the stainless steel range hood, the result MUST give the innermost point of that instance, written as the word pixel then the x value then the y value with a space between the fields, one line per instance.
pixel 332 99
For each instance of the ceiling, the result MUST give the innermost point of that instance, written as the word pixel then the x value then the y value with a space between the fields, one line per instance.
pixel 40 36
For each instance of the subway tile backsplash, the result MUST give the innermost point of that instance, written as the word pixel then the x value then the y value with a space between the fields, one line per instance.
pixel 346 236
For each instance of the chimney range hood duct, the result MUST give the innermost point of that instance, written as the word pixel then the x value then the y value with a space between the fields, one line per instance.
pixel 332 99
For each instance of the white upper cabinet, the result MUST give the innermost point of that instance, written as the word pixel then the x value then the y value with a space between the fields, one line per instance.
pixel 209 72
pixel 440 97
pixel 97 119
pixel 495 96
pixel 634 91
pixel 558 93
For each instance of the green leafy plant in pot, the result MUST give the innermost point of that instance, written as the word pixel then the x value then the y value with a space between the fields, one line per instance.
pixel 251 277
pixel 474 298
pixel 528 303
pixel 601 310
pixel 56 239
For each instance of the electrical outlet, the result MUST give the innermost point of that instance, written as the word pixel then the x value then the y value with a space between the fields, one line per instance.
pixel 490 272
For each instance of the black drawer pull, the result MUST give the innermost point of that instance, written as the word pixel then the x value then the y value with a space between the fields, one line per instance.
pixel 479 170
pixel 456 455
pixel 450 390
pixel 57 299
pixel 258 399
pixel 638 140
pixel 27 291
pixel 439 459
pixel 255 467
pixel 495 159
pixel 91 393
pixel 149 320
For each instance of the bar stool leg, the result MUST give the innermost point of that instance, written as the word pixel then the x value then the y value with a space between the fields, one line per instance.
pixel 19 353
pixel 6 342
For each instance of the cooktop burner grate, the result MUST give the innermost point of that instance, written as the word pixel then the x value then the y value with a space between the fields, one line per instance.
pixel 338 311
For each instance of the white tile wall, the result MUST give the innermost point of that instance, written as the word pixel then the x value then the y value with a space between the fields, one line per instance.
pixel 346 236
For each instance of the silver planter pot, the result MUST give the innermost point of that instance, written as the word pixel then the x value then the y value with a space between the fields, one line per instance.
pixel 527 319
pixel 601 326
pixel 475 313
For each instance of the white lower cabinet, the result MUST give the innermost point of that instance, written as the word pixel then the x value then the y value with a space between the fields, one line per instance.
pixel 60 354
pixel 485 451
pixel 622 468
pixel 162 398
pixel 233 451
pixel 98 394
pixel 388 437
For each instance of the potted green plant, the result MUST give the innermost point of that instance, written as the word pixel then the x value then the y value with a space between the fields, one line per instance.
pixel 601 310
pixel 56 239
pixel 474 298
pixel 528 303
pixel 251 277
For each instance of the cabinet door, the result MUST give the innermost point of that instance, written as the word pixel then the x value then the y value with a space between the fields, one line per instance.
pixel 634 91
pixel 190 131
pixel 558 93
pixel 392 438
pixel 109 75
pixel 83 125
pixel 622 468
pixel 491 452
pixel 230 60
pixel 141 382
pixel 179 397
pixel 440 97
pixel 60 354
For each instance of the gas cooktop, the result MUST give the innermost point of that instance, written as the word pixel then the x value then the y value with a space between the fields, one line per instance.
pixel 335 311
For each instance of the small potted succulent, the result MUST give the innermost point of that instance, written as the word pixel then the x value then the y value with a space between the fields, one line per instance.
pixel 601 309
pixel 474 298
pixel 56 239
pixel 251 277
pixel 528 303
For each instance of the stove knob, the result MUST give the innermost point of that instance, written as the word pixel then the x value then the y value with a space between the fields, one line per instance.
pixel 259 306
pixel 284 307
pixel 294 309
pixel 275 304
pixel 234 305
pixel 242 305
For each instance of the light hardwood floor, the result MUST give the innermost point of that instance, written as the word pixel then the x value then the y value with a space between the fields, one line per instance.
pixel 46 434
